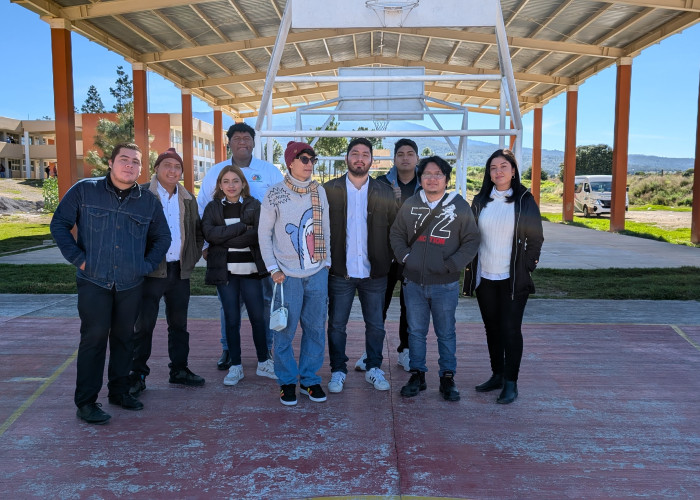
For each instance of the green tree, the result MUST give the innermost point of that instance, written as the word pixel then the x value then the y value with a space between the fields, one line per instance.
pixel 122 92
pixel 277 151
pixel 527 175
pixel 591 160
pixel 331 146
pixel 109 134
pixel 426 152
pixel 93 102
pixel 376 141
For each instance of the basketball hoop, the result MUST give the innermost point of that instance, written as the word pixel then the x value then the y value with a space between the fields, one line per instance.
pixel 381 124
pixel 392 12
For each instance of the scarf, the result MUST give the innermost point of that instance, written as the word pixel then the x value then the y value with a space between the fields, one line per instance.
pixel 317 212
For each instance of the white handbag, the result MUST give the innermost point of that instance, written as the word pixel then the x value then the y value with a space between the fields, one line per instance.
pixel 278 317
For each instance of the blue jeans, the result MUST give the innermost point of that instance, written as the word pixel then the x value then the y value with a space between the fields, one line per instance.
pixel 441 301
pixel 306 300
pixel 341 293
pixel 267 297
pixel 250 291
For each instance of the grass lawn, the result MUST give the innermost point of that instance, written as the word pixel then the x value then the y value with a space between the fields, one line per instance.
pixel 16 236
pixel 605 284
pixel 638 229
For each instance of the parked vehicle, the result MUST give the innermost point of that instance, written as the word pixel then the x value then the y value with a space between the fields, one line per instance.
pixel 592 195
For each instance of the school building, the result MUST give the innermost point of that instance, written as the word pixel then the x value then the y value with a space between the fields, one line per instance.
pixel 28 147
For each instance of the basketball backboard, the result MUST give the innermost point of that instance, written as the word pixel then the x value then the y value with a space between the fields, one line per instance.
pixel 380 98
pixel 371 14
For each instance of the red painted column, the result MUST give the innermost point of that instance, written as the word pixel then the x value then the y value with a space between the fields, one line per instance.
pixel 64 108
pixel 219 147
pixel 141 118
pixel 512 137
pixel 620 144
pixel 695 221
pixel 570 153
pixel 187 138
pixel 537 154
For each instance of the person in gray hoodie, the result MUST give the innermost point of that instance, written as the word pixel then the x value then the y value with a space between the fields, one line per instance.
pixel 434 237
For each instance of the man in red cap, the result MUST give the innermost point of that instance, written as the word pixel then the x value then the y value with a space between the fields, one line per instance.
pixel 171 279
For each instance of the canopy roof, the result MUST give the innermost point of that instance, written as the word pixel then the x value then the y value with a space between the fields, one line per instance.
pixel 220 49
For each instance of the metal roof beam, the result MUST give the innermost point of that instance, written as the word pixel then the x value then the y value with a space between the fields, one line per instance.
pixel 686 5
pixel 446 34
pixel 117 7
pixel 391 61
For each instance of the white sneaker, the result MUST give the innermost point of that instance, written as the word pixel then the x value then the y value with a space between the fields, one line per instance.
pixel 337 382
pixel 376 377
pixel 266 369
pixel 404 360
pixel 360 365
pixel 235 374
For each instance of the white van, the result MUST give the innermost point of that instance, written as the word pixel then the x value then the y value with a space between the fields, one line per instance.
pixel 592 194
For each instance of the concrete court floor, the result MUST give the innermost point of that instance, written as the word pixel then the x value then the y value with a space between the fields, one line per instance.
pixel 608 408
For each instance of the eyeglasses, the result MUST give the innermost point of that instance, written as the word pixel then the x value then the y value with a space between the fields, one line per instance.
pixel 436 177
pixel 241 140
pixel 306 159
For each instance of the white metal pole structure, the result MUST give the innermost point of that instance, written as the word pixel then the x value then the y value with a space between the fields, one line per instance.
pixel 369 106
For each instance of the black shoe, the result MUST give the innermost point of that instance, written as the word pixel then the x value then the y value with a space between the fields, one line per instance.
pixel 288 394
pixel 137 384
pixel 509 393
pixel 224 362
pixel 415 384
pixel 495 382
pixel 185 377
pixel 126 401
pixel 448 389
pixel 315 392
pixel 92 413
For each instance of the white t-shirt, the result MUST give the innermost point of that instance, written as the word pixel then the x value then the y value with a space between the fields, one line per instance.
pixel 259 174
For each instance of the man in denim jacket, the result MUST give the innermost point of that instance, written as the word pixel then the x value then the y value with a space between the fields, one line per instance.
pixel 122 235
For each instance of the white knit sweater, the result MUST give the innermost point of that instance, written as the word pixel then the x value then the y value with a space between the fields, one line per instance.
pixel 496 225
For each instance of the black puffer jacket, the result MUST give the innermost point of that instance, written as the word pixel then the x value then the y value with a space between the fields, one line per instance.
pixel 222 237
pixel 527 244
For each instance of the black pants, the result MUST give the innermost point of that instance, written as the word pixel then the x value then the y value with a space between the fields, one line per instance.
pixel 503 319
pixel 105 314
pixel 176 293
pixel 393 277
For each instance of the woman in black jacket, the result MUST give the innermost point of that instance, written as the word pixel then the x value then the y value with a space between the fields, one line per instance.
pixel 511 239
pixel 235 266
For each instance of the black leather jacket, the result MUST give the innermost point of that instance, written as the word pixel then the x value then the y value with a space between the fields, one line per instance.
pixel 527 244
pixel 381 212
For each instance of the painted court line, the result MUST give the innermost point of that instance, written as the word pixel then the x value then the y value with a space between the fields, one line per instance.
pixel 687 339
pixel 18 413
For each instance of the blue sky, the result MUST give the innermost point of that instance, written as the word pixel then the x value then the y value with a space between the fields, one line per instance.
pixel 663 115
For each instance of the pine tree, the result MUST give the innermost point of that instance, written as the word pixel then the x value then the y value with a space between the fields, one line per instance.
pixel 93 103
pixel 375 141
pixel 123 92
pixel 109 134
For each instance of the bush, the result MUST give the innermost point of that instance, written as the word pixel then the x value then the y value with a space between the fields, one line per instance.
pixel 50 192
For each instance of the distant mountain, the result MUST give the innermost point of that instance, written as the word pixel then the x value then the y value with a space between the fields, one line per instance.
pixel 477 151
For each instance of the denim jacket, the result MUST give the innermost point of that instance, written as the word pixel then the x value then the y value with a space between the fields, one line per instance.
pixel 118 242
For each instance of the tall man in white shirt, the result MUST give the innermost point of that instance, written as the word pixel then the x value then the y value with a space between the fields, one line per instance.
pixel 362 211
pixel 171 279
pixel 260 176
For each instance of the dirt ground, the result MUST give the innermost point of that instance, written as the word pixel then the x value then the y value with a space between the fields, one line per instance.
pixel 664 219
pixel 24 201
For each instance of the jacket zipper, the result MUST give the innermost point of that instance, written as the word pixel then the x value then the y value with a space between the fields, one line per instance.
pixel 515 239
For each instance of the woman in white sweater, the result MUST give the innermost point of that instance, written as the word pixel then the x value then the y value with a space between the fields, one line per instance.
pixel 511 239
